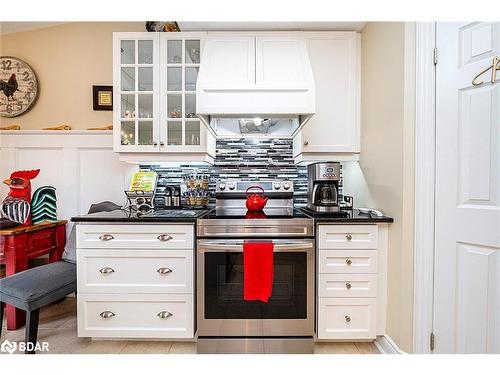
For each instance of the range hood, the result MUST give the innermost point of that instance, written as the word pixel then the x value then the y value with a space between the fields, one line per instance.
pixel 255 84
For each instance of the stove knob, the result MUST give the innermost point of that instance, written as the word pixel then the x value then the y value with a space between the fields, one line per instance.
pixel 231 186
pixel 277 185
pixel 287 185
pixel 222 186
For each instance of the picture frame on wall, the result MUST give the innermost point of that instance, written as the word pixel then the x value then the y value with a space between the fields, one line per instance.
pixel 102 98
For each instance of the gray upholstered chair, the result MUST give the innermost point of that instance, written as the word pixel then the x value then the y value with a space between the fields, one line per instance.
pixel 34 288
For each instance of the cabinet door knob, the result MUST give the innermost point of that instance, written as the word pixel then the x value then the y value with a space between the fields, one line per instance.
pixel 306 143
pixel 348 285
pixel 348 262
pixel 163 270
pixel 106 270
pixel 155 144
pixel 162 144
pixel 164 237
pixel 106 237
pixel 107 314
pixel 164 314
pixel 347 318
pixel 348 236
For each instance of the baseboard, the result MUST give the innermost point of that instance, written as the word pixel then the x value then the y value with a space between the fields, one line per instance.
pixel 386 345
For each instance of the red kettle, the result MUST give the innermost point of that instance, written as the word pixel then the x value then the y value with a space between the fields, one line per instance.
pixel 255 201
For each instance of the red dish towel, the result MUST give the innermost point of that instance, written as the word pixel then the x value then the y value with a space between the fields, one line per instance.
pixel 258 271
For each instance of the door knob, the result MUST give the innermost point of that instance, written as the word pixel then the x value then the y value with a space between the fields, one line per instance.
pixel 347 318
pixel 155 144
pixel 348 285
pixel 348 261
pixel 348 236
pixel 306 143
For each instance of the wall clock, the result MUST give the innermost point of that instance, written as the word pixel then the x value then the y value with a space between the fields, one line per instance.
pixel 18 86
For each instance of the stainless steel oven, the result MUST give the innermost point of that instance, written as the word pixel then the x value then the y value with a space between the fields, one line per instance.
pixel 222 311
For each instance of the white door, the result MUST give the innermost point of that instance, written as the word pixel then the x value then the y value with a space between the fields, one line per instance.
pixel 467 240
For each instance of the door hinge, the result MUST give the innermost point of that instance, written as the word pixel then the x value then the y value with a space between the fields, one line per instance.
pixel 435 56
pixel 432 341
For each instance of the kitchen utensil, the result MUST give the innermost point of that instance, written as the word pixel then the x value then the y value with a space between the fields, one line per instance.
pixel 255 201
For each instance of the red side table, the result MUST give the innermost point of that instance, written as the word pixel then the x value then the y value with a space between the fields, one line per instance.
pixel 18 245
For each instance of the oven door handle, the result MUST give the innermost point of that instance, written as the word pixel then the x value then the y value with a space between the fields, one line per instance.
pixel 236 246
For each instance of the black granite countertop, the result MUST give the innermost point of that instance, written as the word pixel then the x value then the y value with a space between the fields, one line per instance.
pixel 126 216
pixel 349 217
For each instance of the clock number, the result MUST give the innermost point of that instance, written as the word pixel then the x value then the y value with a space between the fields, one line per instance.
pixel 9 108
pixel 19 106
pixel 31 85
pixel 18 67
pixel 6 64
pixel 27 95
pixel 26 75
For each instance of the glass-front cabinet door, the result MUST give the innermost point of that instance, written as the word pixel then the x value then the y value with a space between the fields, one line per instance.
pixel 180 128
pixel 135 92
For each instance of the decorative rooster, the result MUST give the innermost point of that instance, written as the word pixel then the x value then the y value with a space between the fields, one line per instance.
pixel 10 87
pixel 16 206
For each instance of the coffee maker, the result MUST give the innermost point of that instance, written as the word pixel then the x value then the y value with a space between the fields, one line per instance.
pixel 323 187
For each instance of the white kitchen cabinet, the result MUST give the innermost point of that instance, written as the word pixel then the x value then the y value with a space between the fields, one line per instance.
pixel 333 133
pixel 135 281
pixel 154 116
pixel 230 61
pixel 352 281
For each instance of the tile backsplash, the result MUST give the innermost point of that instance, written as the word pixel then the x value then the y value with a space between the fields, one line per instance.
pixel 250 159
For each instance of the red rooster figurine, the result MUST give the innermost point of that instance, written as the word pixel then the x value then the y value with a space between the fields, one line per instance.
pixel 16 206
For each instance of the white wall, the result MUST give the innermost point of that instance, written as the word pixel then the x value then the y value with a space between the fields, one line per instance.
pixel 81 165
pixel 384 176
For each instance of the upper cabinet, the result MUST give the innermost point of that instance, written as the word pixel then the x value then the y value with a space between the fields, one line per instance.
pixel 154 116
pixel 333 133
pixel 229 61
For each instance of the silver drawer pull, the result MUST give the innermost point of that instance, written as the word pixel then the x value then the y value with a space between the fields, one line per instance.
pixel 347 318
pixel 348 285
pixel 164 237
pixel 163 270
pixel 348 262
pixel 106 270
pixel 107 314
pixel 106 237
pixel 164 314
pixel 348 236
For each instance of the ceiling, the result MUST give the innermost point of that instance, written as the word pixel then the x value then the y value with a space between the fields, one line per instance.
pixel 15 27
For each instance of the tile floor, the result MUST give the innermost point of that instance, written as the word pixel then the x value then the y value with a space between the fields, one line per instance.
pixel 58 327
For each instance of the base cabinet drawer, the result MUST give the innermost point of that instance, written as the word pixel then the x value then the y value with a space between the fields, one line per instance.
pixel 348 237
pixel 346 318
pixel 347 285
pixel 130 271
pixel 93 236
pixel 135 316
pixel 348 261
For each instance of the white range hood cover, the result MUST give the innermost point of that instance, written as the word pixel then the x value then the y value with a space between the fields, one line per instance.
pixel 247 76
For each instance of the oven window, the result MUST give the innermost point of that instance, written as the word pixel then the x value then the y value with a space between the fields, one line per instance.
pixel 224 288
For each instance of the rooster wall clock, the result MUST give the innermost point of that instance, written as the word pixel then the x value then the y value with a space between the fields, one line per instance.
pixel 18 86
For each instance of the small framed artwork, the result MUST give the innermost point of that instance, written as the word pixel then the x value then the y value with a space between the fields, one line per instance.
pixel 102 98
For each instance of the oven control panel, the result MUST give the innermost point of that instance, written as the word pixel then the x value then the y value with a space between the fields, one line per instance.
pixel 233 186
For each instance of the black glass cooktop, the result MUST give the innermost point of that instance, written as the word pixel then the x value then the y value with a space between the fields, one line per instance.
pixel 267 213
